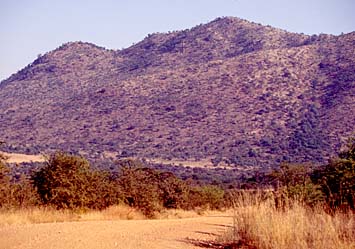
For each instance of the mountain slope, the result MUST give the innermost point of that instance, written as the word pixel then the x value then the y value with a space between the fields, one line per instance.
pixel 229 89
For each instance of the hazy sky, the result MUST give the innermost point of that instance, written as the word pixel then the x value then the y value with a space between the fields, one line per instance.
pixel 31 27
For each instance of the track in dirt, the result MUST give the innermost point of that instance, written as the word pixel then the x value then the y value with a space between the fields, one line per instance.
pixel 142 234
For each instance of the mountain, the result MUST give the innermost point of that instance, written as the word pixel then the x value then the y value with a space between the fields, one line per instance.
pixel 229 90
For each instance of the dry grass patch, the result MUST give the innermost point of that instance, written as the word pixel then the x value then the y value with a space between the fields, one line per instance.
pixel 259 224
pixel 175 214
pixel 118 212
pixel 36 215
pixel 49 215
pixel 182 214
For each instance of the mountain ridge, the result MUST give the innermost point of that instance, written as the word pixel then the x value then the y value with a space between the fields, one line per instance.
pixel 229 90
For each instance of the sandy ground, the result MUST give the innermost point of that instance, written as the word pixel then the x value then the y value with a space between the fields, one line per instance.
pixel 125 234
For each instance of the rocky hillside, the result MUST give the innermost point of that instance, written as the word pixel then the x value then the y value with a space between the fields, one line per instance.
pixel 230 90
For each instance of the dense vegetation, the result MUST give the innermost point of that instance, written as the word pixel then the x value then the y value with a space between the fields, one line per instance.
pixel 69 182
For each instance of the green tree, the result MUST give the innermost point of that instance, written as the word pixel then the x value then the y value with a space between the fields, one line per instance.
pixel 67 181
pixel 150 190
pixel 139 187
pixel 207 196
pixel 337 179
pixel 293 181
pixel 173 191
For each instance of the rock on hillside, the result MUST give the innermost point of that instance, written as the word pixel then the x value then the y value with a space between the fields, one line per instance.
pixel 228 90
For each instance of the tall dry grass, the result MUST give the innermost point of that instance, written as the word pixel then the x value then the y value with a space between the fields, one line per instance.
pixel 259 224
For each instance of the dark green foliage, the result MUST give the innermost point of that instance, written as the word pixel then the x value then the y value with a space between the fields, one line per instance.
pixel 337 179
pixel 102 191
pixel 67 181
pixel 308 141
pixel 293 181
pixel 139 189
pixel 207 196
pixel 150 190
pixel 173 190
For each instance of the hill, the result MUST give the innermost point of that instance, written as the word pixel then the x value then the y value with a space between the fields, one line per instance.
pixel 229 90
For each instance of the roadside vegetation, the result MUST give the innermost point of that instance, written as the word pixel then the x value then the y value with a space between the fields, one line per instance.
pixel 66 187
pixel 260 223
pixel 294 206
pixel 306 209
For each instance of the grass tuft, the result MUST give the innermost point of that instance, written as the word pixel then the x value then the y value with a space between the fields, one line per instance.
pixel 259 224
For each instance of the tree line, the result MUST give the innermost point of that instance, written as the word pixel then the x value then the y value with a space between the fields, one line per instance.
pixel 68 181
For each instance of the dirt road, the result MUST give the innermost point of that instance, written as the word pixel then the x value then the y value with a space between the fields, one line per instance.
pixel 142 234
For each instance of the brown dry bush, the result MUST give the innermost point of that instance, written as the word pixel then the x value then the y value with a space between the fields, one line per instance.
pixel 15 193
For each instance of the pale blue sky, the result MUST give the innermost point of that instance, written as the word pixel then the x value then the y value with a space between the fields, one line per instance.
pixel 31 27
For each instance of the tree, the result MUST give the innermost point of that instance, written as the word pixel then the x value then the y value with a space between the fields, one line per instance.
pixel 67 181
pixel 293 181
pixel 150 190
pixel 139 187
pixel 337 179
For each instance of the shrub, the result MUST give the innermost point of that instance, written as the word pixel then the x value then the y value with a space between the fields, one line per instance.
pixel 139 188
pixel 15 193
pixel 4 182
pixel 212 196
pixel 337 179
pixel 174 191
pixel 67 181
pixel 150 190
pixel 293 182
pixel 207 196
pixel 23 194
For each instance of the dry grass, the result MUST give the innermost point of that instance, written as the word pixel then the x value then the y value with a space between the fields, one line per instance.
pixel 36 215
pixel 182 214
pixel 176 214
pixel 118 212
pixel 48 215
pixel 258 224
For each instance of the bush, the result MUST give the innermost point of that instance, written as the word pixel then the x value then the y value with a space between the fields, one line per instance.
pixel 174 191
pixel 15 193
pixel 139 188
pixel 207 196
pixel 150 190
pixel 67 181
pixel 4 182
pixel 293 182
pixel 337 180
